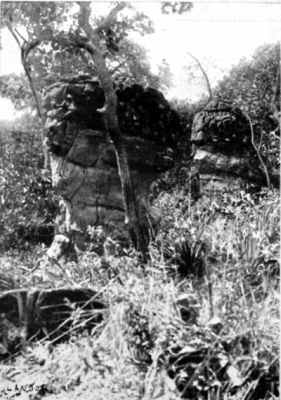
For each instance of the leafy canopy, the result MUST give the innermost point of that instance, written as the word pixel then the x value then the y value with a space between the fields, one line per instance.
pixel 52 25
pixel 252 83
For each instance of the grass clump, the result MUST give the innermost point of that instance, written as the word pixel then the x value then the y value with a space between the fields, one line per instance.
pixel 201 320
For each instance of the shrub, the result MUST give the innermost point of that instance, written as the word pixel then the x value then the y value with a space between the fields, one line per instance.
pixel 27 199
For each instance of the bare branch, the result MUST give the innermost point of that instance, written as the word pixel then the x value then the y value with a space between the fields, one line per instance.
pixel 28 46
pixel 204 74
pixel 261 138
pixel 257 150
pixel 85 12
pixel 10 28
pixel 20 35
pixel 84 45
pixel 25 49
pixel 118 66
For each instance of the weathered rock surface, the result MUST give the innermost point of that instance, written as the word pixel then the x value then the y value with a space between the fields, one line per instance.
pixel 83 161
pixel 46 313
pixel 141 112
pixel 222 151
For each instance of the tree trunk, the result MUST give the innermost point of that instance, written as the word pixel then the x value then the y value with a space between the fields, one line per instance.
pixel 39 110
pixel 112 125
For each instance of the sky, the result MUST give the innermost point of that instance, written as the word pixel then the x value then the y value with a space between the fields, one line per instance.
pixel 218 33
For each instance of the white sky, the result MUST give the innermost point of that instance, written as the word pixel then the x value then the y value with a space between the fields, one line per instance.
pixel 218 33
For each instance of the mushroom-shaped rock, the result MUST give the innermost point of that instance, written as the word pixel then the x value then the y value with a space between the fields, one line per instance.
pixel 221 124
pixel 83 161
pixel 222 150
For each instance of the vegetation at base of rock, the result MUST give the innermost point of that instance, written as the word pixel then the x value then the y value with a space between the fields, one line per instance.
pixel 159 329
pixel 198 318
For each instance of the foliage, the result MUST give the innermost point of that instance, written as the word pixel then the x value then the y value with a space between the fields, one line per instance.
pixel 230 227
pixel 130 65
pixel 186 111
pixel 100 40
pixel 168 7
pixel 27 202
pixel 158 339
pixel 158 330
pixel 37 16
pixel 15 88
pixel 175 240
pixel 53 24
pixel 251 85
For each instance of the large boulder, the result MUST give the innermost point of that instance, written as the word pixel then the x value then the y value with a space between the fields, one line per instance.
pixel 222 150
pixel 83 160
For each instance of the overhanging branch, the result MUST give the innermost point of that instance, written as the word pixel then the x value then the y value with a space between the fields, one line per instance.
pixel 209 88
pixel 25 49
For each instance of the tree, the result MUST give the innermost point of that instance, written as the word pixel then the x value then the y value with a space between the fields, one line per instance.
pixel 130 64
pixel 254 86
pixel 93 41
pixel 33 17
pixel 15 88
pixel 54 58
pixel 51 59
pixel 93 46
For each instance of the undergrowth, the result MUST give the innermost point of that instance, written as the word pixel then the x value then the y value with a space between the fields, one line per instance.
pixel 201 320
pixel 27 203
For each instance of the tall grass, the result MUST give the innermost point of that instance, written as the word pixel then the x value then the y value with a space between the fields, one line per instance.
pixel 210 289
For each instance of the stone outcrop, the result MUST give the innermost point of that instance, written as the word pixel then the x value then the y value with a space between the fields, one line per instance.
pixel 83 161
pixel 222 151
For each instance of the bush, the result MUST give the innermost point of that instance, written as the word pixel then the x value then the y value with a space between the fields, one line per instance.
pixel 200 319
pixel 27 199
pixel 252 86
